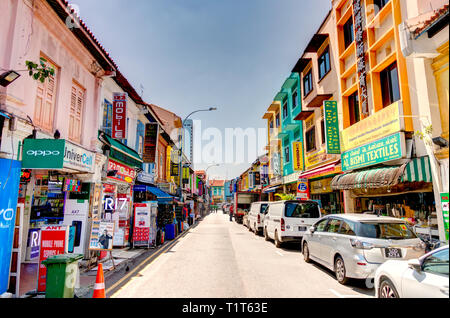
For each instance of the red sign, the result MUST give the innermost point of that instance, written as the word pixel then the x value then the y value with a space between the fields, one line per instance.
pixel 53 242
pixel 141 232
pixel 124 173
pixel 119 120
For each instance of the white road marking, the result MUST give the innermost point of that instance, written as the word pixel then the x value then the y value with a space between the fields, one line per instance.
pixel 348 296
pixel 279 253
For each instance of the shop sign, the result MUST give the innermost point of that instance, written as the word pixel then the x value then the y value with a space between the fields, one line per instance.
pixel 302 189
pixel 298 156
pixel 293 177
pixel 119 120
pixel 386 149
pixel 78 158
pixel 102 235
pixel 141 230
pixel 321 186
pixel 146 177
pixel 71 185
pixel 53 242
pixel 25 176
pixel 358 17
pixel 444 203
pixel 332 127
pixel 124 173
pixel 174 169
pixel 317 157
pixel 33 243
pixel 150 142
pixel 384 122
pixel 276 164
pixel 9 185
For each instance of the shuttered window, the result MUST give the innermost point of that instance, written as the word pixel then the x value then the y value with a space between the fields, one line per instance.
pixel 76 113
pixel 45 101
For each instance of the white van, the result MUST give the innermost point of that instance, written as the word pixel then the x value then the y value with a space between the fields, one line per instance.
pixel 287 221
pixel 256 216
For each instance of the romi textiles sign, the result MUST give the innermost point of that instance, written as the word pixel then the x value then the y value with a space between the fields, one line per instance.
pixel 56 154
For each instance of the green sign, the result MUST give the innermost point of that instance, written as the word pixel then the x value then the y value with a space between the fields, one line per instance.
pixel 444 203
pixel 332 127
pixel 43 153
pixel 382 150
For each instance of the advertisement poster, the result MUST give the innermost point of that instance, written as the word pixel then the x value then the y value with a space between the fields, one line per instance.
pixel 141 232
pixel 444 202
pixel 124 173
pixel 119 121
pixel 9 182
pixel 53 242
pixel 102 233
pixel 76 215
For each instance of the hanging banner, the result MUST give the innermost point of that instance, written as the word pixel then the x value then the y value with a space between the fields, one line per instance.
pixel 9 192
pixel 332 127
pixel 53 242
pixel 298 156
pixel 444 203
pixel 150 142
pixel 119 120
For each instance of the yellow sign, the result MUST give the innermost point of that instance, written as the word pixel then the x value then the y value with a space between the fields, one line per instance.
pixel 381 124
pixel 321 186
pixel 298 155
pixel 317 157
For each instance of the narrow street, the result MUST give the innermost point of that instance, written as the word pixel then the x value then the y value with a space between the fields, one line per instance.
pixel 222 259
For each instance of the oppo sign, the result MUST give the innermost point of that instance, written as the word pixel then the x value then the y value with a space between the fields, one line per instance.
pixel 43 153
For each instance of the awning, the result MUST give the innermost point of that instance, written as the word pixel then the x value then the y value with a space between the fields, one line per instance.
pixel 301 64
pixel 121 152
pixel 320 170
pixel 418 170
pixel 316 42
pixel 304 114
pixel 4 115
pixel 271 189
pixel 162 196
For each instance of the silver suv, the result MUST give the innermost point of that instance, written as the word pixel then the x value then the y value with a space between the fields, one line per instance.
pixel 355 245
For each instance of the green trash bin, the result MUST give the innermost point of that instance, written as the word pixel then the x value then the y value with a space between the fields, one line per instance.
pixel 62 274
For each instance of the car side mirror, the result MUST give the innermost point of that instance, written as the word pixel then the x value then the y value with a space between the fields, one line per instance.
pixel 415 265
pixel 312 229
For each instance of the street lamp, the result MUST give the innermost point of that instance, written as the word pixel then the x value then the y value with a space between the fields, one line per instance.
pixel 180 160
pixel 8 77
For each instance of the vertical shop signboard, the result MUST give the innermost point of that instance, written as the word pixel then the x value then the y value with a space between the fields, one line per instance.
pixel 358 17
pixel 119 121
pixel 332 127
pixel 444 203
pixel 9 193
pixel 298 155
pixel 150 142
pixel 53 242
pixel 302 189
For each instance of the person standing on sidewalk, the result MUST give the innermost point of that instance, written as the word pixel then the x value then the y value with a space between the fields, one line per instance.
pixel 231 213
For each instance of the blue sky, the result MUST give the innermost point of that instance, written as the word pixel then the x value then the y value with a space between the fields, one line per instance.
pixel 191 54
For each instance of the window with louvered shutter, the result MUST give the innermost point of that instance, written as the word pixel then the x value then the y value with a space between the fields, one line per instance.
pixel 76 113
pixel 45 102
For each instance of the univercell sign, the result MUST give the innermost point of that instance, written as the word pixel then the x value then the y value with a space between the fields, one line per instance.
pixel 56 154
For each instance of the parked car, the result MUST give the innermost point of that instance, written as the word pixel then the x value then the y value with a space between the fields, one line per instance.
pixel 256 216
pixel 426 277
pixel 287 221
pixel 355 245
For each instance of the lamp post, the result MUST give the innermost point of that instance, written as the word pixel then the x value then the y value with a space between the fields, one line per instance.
pixel 181 140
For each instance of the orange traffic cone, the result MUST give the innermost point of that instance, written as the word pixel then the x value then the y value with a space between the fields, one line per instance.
pixel 99 287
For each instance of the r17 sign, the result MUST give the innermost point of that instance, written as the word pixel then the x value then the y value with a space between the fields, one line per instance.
pixel 119 121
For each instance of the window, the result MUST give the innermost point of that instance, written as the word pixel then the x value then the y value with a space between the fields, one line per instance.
pixel 277 120
pixel 389 85
pixel 322 128
pixel 324 63
pixel 348 32
pixel 76 113
pixel 285 110
pixel 379 4
pixel 107 118
pixel 353 108
pixel 297 134
pixel 333 226
pixel 347 228
pixel 307 83
pixel 437 263
pixel 311 139
pixel 263 208
pixel 394 231
pixel 45 101
pixel 294 99
pixel 287 155
pixel 320 226
pixel 301 210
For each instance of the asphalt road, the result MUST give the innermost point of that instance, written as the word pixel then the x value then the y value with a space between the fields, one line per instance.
pixel 223 259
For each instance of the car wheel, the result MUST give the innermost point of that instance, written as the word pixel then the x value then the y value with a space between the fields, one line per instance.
pixel 387 290
pixel 339 268
pixel 305 252
pixel 256 229
pixel 266 236
pixel 277 241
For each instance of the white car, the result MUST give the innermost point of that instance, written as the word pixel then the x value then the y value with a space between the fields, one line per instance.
pixel 287 221
pixel 426 277
pixel 256 216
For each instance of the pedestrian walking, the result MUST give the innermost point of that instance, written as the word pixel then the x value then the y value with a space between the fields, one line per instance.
pixel 231 213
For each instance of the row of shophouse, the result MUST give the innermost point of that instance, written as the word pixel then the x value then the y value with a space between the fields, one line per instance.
pixel 361 123
pixel 80 138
